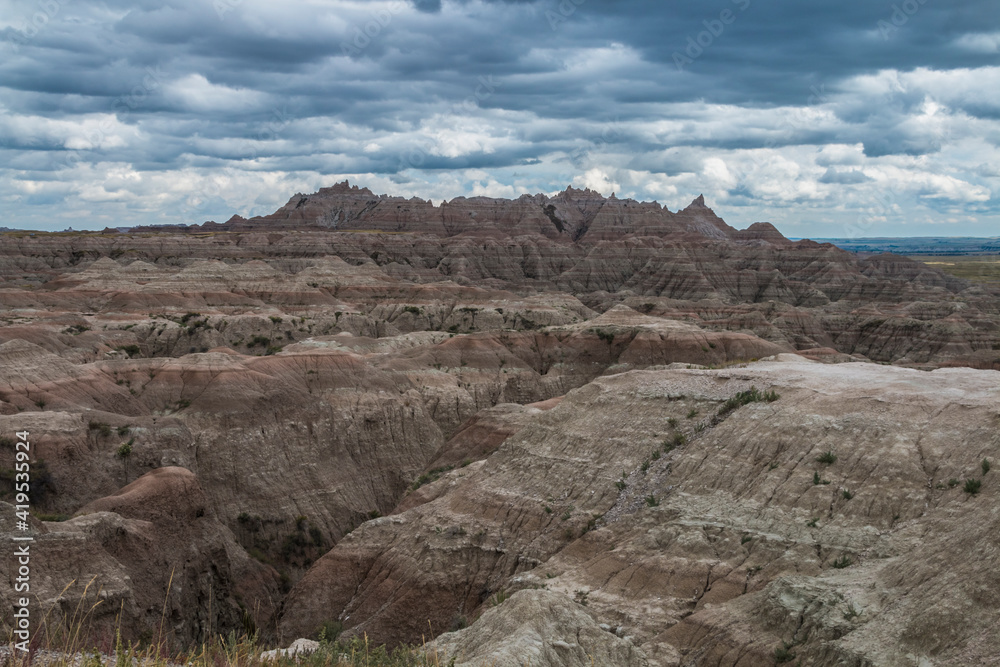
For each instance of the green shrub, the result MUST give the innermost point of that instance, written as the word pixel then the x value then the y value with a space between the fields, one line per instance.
pixel 130 350
pixel 607 336
pixel 103 430
pixel 847 494
pixel 275 319
pixel 985 466
pixel 972 486
pixel 751 395
pixel 652 501
pixel 783 655
pixel 125 449
pixel 678 440
pixel 842 562
pixel 827 458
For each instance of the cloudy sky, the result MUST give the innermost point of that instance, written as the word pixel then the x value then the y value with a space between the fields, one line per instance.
pixel 827 118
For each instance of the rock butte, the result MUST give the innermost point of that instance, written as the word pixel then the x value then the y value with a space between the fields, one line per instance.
pixel 513 415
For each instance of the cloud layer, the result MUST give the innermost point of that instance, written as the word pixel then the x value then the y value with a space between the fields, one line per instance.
pixel 828 119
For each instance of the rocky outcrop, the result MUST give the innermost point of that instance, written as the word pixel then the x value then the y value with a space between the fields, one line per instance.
pixel 145 560
pixel 766 525
pixel 443 399
pixel 536 627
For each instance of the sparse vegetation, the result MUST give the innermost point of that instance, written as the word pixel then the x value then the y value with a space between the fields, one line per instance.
pixel 262 341
pixel 847 494
pixel 103 429
pixel 125 454
pixel 842 562
pixel 827 457
pixel 751 395
pixel 678 440
pixel 607 336
pixel 651 501
pixel 782 654
pixel 430 476
pixel 985 465
pixel 972 486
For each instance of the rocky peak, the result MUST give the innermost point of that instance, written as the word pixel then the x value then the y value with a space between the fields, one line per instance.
pixel 699 202
pixel 345 188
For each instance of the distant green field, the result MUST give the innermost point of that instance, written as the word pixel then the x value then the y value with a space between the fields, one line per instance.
pixel 979 268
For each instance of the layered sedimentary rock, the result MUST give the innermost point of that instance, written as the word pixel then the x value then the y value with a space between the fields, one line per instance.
pixel 418 409
pixel 816 521
pixel 144 561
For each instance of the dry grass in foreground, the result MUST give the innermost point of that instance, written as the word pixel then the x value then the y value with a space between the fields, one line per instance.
pixel 67 643
pixel 231 651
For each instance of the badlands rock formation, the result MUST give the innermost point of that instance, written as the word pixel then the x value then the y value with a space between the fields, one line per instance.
pixel 405 417
pixel 834 520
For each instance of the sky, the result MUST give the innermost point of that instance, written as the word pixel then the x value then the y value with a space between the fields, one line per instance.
pixel 853 118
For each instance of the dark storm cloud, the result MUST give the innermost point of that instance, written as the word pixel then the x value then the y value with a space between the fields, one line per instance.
pixel 754 101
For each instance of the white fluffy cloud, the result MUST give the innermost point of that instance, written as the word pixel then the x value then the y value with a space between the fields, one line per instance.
pixel 134 113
